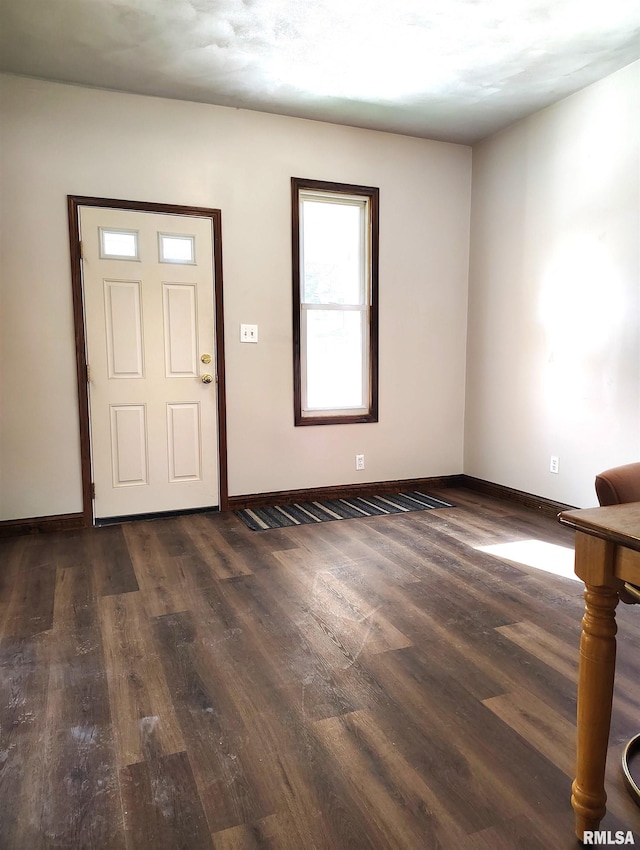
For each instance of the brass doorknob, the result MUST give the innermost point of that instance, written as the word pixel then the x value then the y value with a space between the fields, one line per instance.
pixel 206 379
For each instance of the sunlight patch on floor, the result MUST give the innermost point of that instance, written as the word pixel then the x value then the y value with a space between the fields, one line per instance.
pixel 548 557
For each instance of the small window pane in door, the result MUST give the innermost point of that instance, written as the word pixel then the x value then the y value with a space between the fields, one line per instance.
pixel 118 244
pixel 176 249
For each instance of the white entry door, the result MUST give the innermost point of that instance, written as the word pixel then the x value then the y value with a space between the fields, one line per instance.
pixel 148 284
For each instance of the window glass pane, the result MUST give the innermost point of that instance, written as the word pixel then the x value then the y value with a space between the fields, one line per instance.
pixel 334 359
pixel 176 249
pixel 120 244
pixel 332 253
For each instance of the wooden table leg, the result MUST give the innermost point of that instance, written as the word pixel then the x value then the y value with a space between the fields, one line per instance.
pixel 595 693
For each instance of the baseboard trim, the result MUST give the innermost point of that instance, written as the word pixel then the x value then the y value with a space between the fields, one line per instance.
pixel 41 525
pixel 342 491
pixel 71 522
pixel 499 491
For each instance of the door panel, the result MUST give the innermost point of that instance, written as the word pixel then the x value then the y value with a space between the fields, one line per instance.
pixel 180 330
pixel 123 323
pixel 184 441
pixel 148 283
pixel 129 448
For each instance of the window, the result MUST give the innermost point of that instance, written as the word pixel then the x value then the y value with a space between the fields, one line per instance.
pixel 176 248
pixel 335 298
pixel 118 244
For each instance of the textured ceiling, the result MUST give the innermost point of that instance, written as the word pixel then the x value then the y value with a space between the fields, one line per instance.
pixel 455 70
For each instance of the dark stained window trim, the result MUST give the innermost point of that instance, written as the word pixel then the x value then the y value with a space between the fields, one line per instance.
pixel 373 194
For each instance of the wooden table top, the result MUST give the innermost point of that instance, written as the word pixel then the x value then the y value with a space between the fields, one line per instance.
pixel 619 523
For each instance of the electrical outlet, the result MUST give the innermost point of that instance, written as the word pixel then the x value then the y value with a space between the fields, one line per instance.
pixel 554 464
pixel 248 333
pixel 359 461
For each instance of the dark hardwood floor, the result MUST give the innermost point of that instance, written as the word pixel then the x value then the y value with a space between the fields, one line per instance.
pixel 376 683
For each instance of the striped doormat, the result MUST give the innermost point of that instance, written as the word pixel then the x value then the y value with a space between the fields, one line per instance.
pixel 303 513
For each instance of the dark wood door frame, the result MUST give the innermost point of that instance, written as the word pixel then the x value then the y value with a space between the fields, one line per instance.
pixel 74 202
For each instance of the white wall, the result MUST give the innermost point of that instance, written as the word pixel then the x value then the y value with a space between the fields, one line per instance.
pixel 553 359
pixel 59 140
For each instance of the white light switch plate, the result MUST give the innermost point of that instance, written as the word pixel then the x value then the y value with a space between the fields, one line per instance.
pixel 248 333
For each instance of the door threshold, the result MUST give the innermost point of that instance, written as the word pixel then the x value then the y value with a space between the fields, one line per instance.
pixel 116 520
